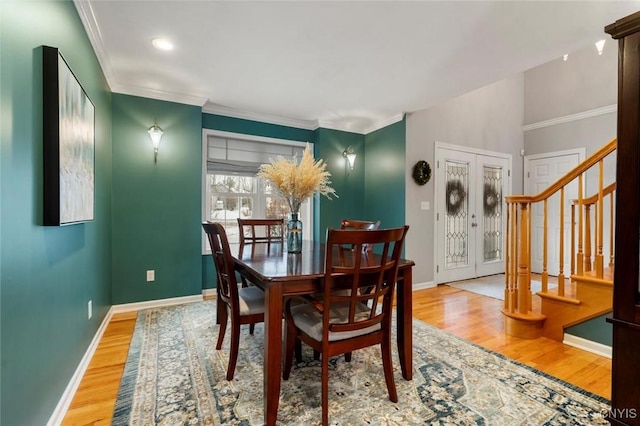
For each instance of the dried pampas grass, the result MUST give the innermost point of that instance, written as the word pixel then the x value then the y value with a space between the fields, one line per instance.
pixel 298 181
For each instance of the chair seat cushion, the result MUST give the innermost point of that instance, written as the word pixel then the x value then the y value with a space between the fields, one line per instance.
pixel 251 300
pixel 309 320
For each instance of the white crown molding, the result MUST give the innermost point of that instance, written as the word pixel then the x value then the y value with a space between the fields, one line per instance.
pixel 92 29
pixel 572 117
pixel 358 129
pixel 384 123
pixel 211 108
pixel 587 345
pixel 87 16
pixel 160 95
pixel 95 37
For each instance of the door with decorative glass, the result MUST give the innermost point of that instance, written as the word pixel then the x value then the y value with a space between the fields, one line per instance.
pixel 471 186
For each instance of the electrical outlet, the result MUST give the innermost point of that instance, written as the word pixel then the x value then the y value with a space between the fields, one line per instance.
pixel 151 275
pixel 89 309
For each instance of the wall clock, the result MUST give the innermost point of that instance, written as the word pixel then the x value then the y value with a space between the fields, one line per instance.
pixel 421 172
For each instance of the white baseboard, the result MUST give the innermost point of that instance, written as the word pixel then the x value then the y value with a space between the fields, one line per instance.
pixel 70 391
pixel 130 307
pixel 422 286
pixel 587 345
pixel 72 387
pixel 209 292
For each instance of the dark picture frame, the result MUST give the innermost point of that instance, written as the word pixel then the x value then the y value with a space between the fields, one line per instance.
pixel 68 144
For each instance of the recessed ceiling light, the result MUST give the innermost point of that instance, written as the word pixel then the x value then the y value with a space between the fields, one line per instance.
pixel 162 44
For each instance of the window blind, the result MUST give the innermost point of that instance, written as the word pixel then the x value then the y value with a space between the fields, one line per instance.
pixel 244 157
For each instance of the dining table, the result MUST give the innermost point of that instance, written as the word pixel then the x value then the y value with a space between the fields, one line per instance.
pixel 281 275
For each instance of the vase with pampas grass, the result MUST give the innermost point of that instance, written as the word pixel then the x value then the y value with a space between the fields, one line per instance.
pixel 296 181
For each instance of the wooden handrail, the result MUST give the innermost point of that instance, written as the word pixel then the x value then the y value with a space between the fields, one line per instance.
pixel 519 233
pixel 594 198
pixel 566 179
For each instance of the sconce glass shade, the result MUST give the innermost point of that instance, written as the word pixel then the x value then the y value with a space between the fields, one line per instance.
pixel 155 132
pixel 600 46
pixel 350 155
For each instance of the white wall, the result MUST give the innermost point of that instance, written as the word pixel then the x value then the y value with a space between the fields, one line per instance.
pixel 584 82
pixel 489 118
pixel 572 104
pixel 579 95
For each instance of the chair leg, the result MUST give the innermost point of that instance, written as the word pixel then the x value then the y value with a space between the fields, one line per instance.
pixel 233 353
pixel 347 356
pixel 325 390
pixel 223 328
pixel 388 369
pixel 290 342
pixel 298 350
pixel 316 355
pixel 251 328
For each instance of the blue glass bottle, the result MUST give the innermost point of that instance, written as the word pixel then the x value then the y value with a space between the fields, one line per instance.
pixel 294 234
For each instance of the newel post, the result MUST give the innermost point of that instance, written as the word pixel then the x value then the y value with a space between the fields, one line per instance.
pixel 524 261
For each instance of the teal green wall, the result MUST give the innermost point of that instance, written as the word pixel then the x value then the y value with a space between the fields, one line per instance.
pixel 348 185
pixel 385 174
pixel 156 206
pixel 48 274
pixel 596 329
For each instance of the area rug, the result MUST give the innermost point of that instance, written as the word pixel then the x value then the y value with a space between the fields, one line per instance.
pixel 492 286
pixel 174 376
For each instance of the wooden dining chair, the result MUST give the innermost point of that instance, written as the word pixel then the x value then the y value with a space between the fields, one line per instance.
pixel 253 231
pixel 244 305
pixel 354 224
pixel 342 322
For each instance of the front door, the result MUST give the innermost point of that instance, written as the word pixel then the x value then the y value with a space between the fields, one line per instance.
pixel 471 186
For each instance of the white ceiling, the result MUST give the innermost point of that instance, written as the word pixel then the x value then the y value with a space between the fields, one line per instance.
pixel 350 65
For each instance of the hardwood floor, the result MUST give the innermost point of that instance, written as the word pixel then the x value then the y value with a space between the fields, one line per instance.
pixel 468 315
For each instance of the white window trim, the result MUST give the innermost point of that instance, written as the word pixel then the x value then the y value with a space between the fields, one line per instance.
pixel 308 223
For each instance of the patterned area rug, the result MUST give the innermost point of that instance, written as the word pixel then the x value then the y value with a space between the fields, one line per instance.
pixel 174 376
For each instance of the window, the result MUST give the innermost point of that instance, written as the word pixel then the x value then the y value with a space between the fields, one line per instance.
pixel 231 189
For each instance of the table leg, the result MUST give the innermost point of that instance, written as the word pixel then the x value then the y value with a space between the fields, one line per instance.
pixel 272 352
pixel 404 311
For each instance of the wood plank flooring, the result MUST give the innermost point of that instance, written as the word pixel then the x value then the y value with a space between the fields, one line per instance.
pixel 468 315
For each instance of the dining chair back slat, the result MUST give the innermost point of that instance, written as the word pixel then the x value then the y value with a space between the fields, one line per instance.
pixel 355 224
pixel 355 309
pixel 254 231
pixel 243 305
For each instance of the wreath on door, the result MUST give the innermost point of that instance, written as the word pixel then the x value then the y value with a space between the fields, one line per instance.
pixel 456 196
pixel 421 172
pixel 491 200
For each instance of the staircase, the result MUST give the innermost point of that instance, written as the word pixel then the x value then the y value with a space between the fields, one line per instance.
pixel 587 291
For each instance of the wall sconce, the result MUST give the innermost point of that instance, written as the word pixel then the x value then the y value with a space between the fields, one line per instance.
pixel 350 155
pixel 600 46
pixel 155 132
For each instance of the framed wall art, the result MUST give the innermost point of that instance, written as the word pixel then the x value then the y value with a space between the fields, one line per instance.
pixel 68 144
